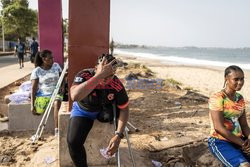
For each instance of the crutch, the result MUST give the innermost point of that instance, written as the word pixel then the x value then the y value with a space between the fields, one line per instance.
pixel 129 147
pixel 46 114
pixel 127 138
pixel 117 155
pixel 131 125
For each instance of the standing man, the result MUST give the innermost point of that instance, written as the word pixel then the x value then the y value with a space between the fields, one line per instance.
pixel 20 50
pixel 33 49
pixel 111 46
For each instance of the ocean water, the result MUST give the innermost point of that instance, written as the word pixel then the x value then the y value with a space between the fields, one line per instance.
pixel 221 57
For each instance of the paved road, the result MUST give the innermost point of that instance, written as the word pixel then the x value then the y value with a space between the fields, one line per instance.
pixel 10 60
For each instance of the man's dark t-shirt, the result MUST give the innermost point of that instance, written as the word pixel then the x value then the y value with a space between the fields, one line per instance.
pixel 34 47
pixel 102 96
pixel 20 47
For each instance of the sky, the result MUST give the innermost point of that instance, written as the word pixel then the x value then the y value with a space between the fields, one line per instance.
pixel 178 23
pixel 65 3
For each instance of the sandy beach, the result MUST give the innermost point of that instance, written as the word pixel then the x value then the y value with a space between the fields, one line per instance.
pixel 204 79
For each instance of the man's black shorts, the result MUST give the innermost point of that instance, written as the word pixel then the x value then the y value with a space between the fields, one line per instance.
pixel 20 55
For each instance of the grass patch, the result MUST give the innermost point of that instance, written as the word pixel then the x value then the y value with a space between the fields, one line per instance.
pixel 189 88
pixel 136 65
pixel 174 82
pixel 147 70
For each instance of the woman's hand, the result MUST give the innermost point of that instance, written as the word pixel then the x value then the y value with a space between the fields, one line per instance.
pixel 113 145
pixel 246 147
pixel 33 110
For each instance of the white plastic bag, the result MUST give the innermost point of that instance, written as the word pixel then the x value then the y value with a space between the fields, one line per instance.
pixel 25 87
pixel 156 163
pixel 20 97
pixel 103 151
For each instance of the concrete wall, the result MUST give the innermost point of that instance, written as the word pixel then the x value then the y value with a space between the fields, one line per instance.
pixel 21 118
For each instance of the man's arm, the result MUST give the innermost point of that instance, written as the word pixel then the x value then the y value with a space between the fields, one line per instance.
pixel 15 50
pixel 80 91
pixel 122 122
pixel 123 119
pixel 24 46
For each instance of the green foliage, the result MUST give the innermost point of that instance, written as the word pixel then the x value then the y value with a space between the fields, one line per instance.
pixel 5 3
pixel 65 32
pixel 65 27
pixel 18 19
pixel 24 3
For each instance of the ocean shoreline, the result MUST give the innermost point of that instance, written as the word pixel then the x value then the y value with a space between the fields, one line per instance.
pixel 205 79
pixel 186 60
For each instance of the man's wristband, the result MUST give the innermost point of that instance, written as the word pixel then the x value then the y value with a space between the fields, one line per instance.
pixel 119 134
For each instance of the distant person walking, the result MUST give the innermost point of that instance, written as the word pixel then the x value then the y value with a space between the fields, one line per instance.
pixel 33 49
pixel 20 50
pixel 111 46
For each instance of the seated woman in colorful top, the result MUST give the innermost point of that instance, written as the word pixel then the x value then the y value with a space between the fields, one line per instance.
pixel 44 79
pixel 230 133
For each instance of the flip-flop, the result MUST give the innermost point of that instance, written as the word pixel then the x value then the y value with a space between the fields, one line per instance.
pixel 4 119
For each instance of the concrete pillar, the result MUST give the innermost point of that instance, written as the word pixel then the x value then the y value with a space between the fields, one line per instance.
pixel 63 120
pixel 50 28
pixel 88 33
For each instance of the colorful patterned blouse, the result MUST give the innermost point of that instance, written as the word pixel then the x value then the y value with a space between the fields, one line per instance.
pixel 232 110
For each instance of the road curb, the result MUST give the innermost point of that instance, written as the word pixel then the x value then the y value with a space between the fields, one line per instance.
pixel 6 53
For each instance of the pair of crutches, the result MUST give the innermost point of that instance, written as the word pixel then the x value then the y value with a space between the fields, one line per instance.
pixel 117 155
pixel 46 114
